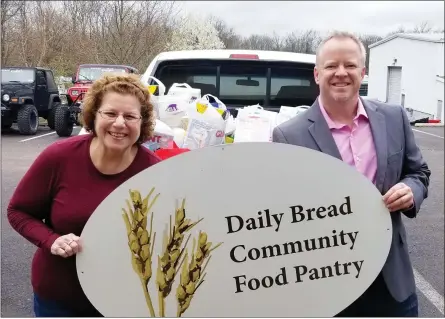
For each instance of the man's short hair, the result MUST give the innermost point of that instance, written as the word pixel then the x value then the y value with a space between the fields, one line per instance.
pixel 343 35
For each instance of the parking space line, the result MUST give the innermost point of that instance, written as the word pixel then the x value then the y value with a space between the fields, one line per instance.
pixel 33 138
pixel 428 133
pixel 429 292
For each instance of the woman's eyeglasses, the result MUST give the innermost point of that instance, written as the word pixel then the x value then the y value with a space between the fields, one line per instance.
pixel 112 116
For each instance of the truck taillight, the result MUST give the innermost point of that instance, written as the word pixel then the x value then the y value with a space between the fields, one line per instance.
pixel 244 56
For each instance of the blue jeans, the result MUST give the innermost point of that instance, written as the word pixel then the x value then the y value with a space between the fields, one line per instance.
pixel 378 302
pixel 49 308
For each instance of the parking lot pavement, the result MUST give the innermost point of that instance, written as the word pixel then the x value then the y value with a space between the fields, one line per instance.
pixel 430 130
pixel 425 233
pixel 18 153
pixel 13 135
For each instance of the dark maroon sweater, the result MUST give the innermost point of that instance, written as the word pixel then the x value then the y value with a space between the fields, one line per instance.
pixel 63 187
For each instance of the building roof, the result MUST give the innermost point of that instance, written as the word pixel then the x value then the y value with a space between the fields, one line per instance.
pixel 425 37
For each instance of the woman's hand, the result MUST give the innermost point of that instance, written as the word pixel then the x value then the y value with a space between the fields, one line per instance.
pixel 66 246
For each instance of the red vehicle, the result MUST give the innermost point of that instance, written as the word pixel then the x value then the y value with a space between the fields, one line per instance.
pixel 68 115
pixel 87 73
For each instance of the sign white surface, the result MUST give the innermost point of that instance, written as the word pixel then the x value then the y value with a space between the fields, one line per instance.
pixel 302 235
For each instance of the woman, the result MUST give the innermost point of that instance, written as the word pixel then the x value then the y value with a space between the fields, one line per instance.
pixel 70 178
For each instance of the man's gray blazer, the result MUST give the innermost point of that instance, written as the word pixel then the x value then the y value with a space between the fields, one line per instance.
pixel 398 160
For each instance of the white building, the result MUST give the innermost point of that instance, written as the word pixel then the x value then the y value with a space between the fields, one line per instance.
pixel 408 69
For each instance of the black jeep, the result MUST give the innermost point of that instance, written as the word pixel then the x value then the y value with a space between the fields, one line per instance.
pixel 28 93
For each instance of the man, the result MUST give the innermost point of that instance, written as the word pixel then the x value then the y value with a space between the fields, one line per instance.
pixel 377 140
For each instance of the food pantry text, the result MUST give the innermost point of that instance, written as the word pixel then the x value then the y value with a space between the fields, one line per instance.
pixel 241 253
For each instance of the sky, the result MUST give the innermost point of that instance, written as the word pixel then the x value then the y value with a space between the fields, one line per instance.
pixel 283 17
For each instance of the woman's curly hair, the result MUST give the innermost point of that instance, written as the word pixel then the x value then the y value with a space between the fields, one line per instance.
pixel 128 84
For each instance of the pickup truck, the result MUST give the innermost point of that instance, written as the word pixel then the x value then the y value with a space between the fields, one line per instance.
pixel 240 77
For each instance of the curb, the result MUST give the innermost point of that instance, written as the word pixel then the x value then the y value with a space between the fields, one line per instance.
pixel 429 124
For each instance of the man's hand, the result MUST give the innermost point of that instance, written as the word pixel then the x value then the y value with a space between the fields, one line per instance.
pixel 66 246
pixel 399 197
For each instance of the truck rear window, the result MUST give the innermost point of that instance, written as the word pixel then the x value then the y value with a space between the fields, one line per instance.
pixel 240 83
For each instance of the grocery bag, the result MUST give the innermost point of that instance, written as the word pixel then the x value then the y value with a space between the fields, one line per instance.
pixel 207 119
pixel 164 154
pixel 214 101
pixel 254 124
pixel 185 91
pixel 231 125
pixel 154 99
pixel 179 135
pixel 160 87
pixel 288 112
pixel 163 137
pixel 170 109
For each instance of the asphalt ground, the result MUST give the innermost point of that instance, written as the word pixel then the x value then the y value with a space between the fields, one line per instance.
pixel 425 233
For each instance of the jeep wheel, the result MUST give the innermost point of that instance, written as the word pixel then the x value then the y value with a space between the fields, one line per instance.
pixel 52 116
pixel 62 122
pixel 28 120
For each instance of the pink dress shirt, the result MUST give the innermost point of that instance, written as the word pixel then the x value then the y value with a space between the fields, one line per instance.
pixel 356 143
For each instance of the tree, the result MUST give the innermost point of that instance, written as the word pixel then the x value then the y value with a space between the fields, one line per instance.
pixel 61 35
pixel 367 40
pixel 305 41
pixel 226 34
pixel 194 33
pixel 9 12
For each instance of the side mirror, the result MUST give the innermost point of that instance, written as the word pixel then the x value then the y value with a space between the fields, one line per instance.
pixel 73 79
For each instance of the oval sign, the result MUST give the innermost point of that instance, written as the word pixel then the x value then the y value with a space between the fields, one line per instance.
pixel 239 230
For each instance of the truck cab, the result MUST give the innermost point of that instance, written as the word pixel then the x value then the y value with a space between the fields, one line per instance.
pixel 88 73
pixel 240 77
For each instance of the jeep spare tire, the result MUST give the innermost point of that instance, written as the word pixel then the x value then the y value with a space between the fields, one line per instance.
pixel 62 122
pixel 28 119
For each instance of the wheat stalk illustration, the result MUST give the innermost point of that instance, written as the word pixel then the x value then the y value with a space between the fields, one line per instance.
pixel 193 273
pixel 174 254
pixel 141 241
pixel 173 250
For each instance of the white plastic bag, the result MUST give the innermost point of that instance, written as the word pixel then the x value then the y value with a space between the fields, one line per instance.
pixel 206 123
pixel 172 109
pixel 155 98
pixel 254 124
pixel 231 125
pixel 214 101
pixel 288 112
pixel 163 137
pixel 185 91
pixel 179 136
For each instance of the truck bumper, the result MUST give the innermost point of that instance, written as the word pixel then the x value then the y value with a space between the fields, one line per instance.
pixel 9 111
